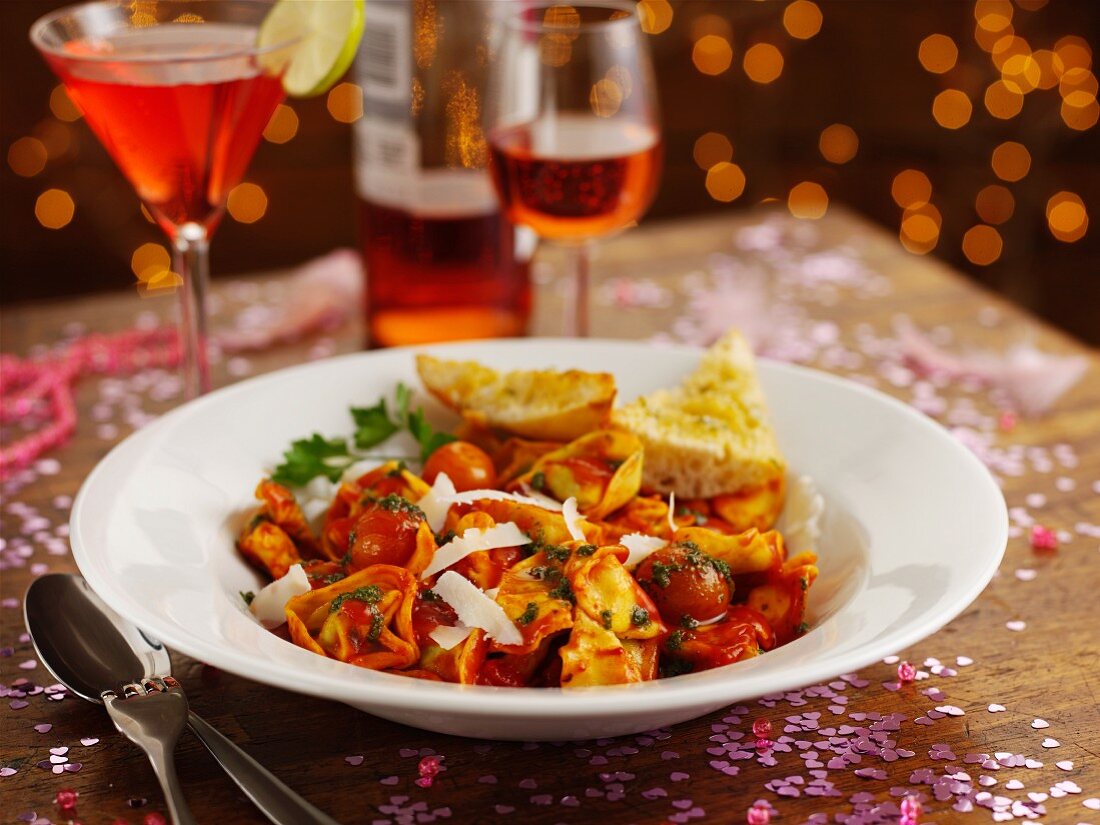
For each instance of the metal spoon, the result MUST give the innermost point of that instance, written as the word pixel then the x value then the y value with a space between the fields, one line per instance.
pixel 92 650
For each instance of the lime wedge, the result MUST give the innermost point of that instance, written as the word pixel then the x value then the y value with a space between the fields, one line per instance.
pixel 329 32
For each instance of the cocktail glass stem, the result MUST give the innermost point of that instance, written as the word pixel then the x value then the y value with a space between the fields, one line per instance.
pixel 192 262
pixel 578 261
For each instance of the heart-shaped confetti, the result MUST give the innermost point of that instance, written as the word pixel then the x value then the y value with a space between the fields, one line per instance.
pixel 388 780
pixel 1065 764
pixel 45 727
pixel 6 771
pixel 963 661
pixel 88 741
pixel 1017 626
pixel 1014 785
pixel 1092 803
pixel 59 751
pixel 995 708
pixel 1051 743
pixel 679 776
pixel 1037 796
pixel 354 761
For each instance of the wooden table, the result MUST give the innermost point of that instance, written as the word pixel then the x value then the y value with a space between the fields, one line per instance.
pixel 844 281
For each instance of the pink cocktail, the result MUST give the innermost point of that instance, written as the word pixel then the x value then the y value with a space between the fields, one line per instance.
pixel 179 94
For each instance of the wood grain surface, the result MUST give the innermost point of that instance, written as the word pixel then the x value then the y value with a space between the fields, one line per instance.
pixel 362 769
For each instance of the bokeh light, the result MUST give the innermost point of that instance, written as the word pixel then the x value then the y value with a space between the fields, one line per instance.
pixel 911 187
pixel 149 261
pixel 808 200
pixel 345 102
pixel 283 125
pixel 952 109
pixel 838 143
pixel 247 202
pixel 1011 161
pixel 802 19
pixel 1002 101
pixel 1074 52
pixel 56 136
pixel 1008 47
pixel 763 63
pixel 725 182
pixel 1021 73
pixel 712 148
pixel 656 15
pixel 938 53
pixel 1067 217
pixel 982 245
pixel 62 105
pixel 605 97
pixel 920 228
pixel 712 54
pixel 1080 118
pixel 995 204
pixel 54 208
pixel 1050 68
pixel 27 156
pixel 993 15
pixel 706 24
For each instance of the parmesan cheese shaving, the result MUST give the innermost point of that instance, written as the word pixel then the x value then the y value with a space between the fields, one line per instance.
pixel 437 501
pixel 640 546
pixel 448 637
pixel 472 540
pixel 269 605
pixel 541 499
pixel 572 519
pixel 475 609
pixel 472 496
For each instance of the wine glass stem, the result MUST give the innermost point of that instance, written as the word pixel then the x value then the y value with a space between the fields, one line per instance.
pixel 192 262
pixel 579 260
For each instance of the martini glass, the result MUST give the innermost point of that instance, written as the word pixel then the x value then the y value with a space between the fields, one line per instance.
pixel 179 94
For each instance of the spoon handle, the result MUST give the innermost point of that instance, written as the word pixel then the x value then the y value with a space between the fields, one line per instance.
pixel 277 802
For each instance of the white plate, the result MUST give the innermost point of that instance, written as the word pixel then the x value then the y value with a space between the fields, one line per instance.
pixel 914 529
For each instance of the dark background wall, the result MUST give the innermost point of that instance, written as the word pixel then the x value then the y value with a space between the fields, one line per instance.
pixel 857 63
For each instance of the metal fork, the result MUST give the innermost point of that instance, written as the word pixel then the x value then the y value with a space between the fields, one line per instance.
pixel 152 714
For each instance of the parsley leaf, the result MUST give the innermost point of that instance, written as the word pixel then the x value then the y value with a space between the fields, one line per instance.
pixel 429 439
pixel 372 425
pixel 308 458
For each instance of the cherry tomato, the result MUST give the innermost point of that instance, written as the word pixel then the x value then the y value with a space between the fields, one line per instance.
pixel 382 536
pixel 683 581
pixel 428 614
pixel 468 466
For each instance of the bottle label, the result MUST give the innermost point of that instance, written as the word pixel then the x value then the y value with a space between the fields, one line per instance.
pixel 388 165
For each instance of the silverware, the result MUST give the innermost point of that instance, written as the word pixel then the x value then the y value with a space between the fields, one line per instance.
pixel 92 651
pixel 152 714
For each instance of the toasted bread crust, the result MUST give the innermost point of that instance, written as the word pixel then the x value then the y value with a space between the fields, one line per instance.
pixel 710 436
pixel 545 405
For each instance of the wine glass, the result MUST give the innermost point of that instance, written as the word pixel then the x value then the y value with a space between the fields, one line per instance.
pixel 572 121
pixel 179 93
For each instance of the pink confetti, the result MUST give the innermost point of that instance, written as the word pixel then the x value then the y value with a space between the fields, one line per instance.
pixel 354 761
pixel 1039 724
pixel 30 664
pixel 1026 574
pixel 1051 743
pixel 995 708
pixel 6 771
pixel 88 741
pixel 45 727
pixel 1016 625
pixel 1092 803
pixel 1043 538
pixel 1065 764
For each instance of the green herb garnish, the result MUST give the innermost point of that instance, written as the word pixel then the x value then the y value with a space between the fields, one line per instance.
pixel 371 594
pixel 586 550
pixel 639 616
pixel 528 615
pixel 675 640
pixel 563 591
pixel 248 596
pixel 606 616
pixel 373 425
pixel 538 482
pixel 311 457
pixel 397 504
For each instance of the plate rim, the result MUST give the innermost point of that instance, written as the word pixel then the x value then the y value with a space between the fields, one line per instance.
pixel 543 703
